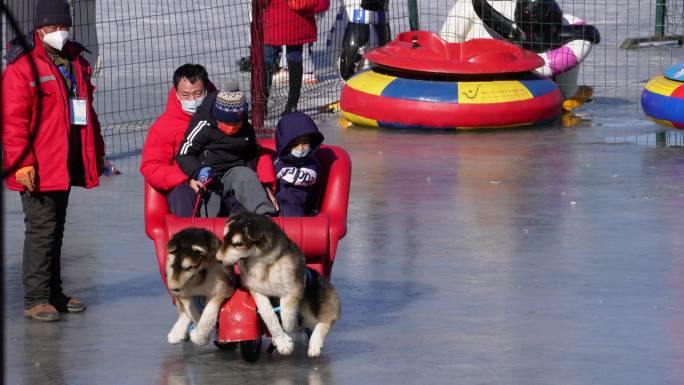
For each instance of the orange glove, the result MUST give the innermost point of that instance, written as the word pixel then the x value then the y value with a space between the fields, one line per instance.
pixel 26 176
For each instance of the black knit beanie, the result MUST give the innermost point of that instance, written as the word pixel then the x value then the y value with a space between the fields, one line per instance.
pixel 52 12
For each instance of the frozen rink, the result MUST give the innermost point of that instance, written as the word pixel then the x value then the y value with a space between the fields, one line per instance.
pixel 535 256
pixel 547 255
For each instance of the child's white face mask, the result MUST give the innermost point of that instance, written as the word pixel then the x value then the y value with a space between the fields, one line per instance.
pixel 300 153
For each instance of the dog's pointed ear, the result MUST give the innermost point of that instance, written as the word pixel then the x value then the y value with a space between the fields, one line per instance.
pixel 171 246
pixel 226 228
pixel 199 249
pixel 253 232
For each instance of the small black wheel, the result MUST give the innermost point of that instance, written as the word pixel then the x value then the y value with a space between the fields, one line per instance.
pixel 226 346
pixel 351 61
pixel 250 350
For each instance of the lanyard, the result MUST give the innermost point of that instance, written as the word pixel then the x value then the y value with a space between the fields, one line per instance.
pixel 66 73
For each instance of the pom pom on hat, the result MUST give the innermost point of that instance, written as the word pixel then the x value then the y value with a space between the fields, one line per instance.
pixel 230 85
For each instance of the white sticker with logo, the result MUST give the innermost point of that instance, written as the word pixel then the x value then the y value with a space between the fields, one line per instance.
pixel 298 176
pixel 679 73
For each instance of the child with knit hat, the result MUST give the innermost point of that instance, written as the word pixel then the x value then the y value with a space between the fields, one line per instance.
pixel 220 141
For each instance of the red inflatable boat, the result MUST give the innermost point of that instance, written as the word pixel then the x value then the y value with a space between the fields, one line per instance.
pixel 317 236
pixel 420 81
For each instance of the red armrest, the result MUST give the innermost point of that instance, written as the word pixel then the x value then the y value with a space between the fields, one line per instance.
pixel 336 198
pixel 156 209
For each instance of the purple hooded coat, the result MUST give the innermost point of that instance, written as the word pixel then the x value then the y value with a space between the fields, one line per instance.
pixel 298 191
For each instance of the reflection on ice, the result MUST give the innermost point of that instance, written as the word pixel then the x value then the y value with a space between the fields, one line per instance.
pixel 669 138
pixel 206 368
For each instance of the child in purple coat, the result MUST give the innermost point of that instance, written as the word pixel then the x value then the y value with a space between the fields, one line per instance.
pixel 297 170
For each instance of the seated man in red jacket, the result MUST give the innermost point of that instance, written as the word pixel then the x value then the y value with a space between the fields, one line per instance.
pixel 190 86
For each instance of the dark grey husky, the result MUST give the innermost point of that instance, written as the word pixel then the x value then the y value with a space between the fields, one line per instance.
pixel 192 270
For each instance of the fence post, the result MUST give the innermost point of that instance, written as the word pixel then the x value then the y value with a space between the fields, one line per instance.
pixel 414 22
pixel 661 10
pixel 661 34
pixel 257 52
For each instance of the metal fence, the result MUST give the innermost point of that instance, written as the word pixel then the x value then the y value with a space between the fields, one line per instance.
pixel 137 44
pixel 672 17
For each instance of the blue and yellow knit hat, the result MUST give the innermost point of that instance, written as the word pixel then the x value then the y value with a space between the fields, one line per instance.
pixel 230 105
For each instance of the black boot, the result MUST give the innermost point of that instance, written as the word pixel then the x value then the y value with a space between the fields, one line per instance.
pixel 296 71
pixel 383 33
pixel 269 70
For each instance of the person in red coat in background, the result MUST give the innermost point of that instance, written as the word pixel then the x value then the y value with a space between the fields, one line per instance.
pixel 283 75
pixel 51 150
pixel 292 28
pixel 190 86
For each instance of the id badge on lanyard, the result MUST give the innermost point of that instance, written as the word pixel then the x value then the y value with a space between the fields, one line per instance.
pixel 78 110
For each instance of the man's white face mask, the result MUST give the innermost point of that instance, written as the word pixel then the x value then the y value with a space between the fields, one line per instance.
pixel 56 39
pixel 191 106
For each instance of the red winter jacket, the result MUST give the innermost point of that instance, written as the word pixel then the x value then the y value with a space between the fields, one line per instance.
pixel 158 164
pixel 50 148
pixel 283 26
pixel 163 139
pixel 322 6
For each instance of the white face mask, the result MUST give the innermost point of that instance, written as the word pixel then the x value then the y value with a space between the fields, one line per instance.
pixel 190 106
pixel 56 39
pixel 300 153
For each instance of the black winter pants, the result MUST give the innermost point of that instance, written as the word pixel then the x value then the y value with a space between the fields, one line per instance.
pixel 44 217
pixel 181 200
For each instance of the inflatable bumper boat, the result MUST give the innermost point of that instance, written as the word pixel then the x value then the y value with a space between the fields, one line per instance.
pixel 420 81
pixel 562 40
pixel 663 97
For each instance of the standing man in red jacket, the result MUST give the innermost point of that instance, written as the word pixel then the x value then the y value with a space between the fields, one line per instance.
pixel 52 150
pixel 190 87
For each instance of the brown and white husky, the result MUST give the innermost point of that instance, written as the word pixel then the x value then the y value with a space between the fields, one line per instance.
pixel 272 266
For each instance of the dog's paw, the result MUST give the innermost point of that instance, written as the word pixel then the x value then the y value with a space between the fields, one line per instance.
pixel 314 351
pixel 315 347
pixel 199 337
pixel 283 344
pixel 176 337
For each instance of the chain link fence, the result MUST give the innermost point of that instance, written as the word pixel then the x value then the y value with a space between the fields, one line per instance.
pixel 674 17
pixel 137 44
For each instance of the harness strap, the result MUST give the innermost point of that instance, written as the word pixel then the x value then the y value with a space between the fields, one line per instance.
pixel 198 199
